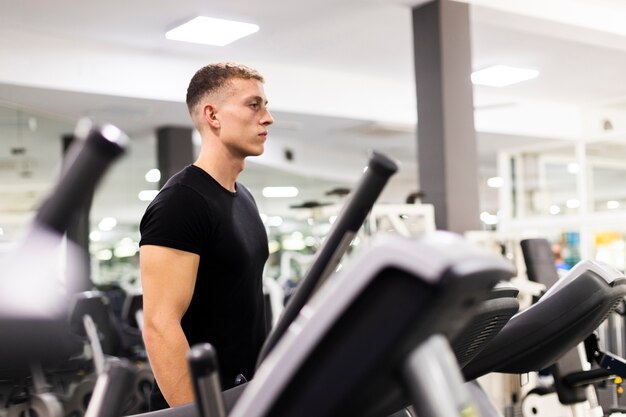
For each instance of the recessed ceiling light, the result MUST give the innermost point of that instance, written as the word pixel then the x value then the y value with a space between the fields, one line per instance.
pixel 502 75
pixel 211 31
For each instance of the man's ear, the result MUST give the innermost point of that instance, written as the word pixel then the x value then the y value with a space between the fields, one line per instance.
pixel 209 112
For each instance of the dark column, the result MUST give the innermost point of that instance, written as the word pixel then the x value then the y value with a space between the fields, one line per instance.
pixel 174 150
pixel 447 152
pixel 78 232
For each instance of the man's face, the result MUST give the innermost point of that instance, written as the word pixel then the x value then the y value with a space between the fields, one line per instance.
pixel 244 117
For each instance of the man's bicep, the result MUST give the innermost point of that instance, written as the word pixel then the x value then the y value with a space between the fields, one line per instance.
pixel 168 277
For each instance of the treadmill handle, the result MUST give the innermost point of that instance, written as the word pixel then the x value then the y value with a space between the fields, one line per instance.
pixel 91 155
pixel 376 175
pixel 205 379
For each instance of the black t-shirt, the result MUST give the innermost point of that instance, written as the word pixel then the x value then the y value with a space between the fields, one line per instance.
pixel 194 213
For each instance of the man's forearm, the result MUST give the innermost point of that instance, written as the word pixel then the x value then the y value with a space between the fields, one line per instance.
pixel 167 350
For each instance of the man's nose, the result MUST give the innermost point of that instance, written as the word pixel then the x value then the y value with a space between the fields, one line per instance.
pixel 268 119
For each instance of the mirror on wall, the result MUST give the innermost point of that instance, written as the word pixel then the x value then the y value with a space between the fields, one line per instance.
pixel 606 172
pixel 545 182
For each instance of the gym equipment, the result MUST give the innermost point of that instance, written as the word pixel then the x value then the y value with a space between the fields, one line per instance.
pixel 76 400
pixel 111 390
pixel 376 174
pixel 567 313
pixel 132 311
pixel 545 335
pixel 378 171
pixel 572 384
pixel 33 310
pixel 492 315
pixel 372 323
pixel 539 261
pixel 340 373
pixel 203 366
pixel 33 307
pixel 115 337
pixel 507 304
pixel 405 219
pixel 91 317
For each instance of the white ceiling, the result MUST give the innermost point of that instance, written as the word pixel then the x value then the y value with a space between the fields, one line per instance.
pixel 339 79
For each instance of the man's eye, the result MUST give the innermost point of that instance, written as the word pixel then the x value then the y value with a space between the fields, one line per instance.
pixel 254 105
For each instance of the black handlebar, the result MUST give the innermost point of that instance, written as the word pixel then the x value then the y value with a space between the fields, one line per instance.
pixel 377 173
pixel 207 389
pixel 97 147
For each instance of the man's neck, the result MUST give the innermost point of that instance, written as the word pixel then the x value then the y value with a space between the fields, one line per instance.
pixel 222 167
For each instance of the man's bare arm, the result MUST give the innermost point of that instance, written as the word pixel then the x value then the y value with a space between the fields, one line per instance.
pixel 168 278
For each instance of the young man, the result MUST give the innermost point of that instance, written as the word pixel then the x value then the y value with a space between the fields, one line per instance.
pixel 203 245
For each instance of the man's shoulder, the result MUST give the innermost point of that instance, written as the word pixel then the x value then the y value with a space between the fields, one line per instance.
pixel 185 176
pixel 176 198
pixel 186 182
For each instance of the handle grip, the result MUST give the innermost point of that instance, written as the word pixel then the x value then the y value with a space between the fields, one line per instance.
pixel 97 148
pixel 203 366
pixel 376 175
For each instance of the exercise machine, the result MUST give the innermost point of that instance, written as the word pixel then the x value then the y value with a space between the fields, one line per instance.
pixel 381 323
pixel 540 336
pixel 334 248
pixel 33 307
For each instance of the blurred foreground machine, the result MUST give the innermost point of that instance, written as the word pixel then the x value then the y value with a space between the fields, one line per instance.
pixel 34 327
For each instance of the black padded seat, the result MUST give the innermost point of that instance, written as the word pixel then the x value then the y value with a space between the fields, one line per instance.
pixel 537 337
pixel 132 304
pixel 539 261
pixel 95 305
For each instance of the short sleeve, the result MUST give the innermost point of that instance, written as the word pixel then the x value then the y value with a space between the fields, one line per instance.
pixel 177 218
